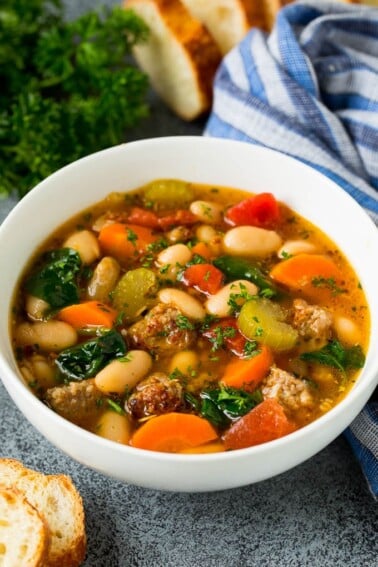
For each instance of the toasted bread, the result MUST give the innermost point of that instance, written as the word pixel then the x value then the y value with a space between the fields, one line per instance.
pixel 24 536
pixel 180 57
pixel 228 21
pixel 58 503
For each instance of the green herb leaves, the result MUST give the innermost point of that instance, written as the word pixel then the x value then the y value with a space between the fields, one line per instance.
pixel 222 405
pixel 86 359
pixel 68 88
pixel 336 355
pixel 55 281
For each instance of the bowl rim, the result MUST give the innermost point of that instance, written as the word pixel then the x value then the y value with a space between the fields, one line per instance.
pixel 15 386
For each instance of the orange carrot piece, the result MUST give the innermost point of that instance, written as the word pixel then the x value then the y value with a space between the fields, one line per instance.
pixel 213 447
pixel 302 270
pixel 202 249
pixel 264 423
pixel 248 373
pixel 124 241
pixel 173 432
pixel 88 313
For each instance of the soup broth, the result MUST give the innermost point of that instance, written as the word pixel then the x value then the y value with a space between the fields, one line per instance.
pixel 183 317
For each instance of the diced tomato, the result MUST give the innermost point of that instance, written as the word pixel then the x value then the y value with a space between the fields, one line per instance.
pixel 264 423
pixel 143 217
pixel 205 278
pixel 262 210
pixel 180 217
pixel 226 334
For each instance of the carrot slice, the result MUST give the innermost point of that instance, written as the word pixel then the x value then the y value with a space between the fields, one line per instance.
pixel 124 241
pixel 173 432
pixel 213 447
pixel 88 313
pixel 264 423
pixel 202 249
pixel 310 273
pixel 248 373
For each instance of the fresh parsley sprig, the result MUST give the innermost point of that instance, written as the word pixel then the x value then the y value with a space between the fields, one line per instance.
pixel 68 88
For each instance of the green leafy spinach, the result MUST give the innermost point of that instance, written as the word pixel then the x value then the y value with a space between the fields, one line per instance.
pixel 336 355
pixel 86 359
pixel 55 280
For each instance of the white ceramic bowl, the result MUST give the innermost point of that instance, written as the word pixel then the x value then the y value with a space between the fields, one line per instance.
pixel 205 160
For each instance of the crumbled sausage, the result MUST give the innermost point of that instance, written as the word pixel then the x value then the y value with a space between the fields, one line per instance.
pixel 155 395
pixel 311 321
pixel 289 391
pixel 76 401
pixel 159 330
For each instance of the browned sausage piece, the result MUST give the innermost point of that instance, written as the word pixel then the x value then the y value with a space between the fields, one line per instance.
pixel 289 391
pixel 162 329
pixel 311 321
pixel 76 401
pixel 155 395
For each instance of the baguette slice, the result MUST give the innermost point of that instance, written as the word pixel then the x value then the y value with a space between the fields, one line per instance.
pixel 180 57
pixel 59 504
pixel 228 21
pixel 24 536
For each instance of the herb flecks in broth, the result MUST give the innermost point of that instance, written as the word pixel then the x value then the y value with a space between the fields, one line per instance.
pixel 199 338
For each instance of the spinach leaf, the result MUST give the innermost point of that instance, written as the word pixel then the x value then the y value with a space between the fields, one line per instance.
pixel 336 355
pixel 55 280
pixel 222 405
pixel 239 268
pixel 86 359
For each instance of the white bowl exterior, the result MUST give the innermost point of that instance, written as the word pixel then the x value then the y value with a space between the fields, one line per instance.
pixel 204 160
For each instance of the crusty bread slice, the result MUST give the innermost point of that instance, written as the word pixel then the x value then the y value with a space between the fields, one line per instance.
pixel 60 505
pixel 24 536
pixel 228 21
pixel 180 56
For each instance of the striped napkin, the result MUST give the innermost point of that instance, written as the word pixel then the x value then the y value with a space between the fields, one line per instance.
pixel 310 89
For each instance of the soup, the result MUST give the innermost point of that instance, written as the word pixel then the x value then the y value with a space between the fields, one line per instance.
pixel 189 318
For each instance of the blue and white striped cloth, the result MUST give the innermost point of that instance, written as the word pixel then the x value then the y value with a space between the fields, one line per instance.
pixel 310 89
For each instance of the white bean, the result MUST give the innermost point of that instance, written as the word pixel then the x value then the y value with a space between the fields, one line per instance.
pixel 346 329
pixel 35 308
pixel 37 368
pixel 124 373
pixel 294 247
pixel 104 279
pixel 251 241
pixel 185 362
pixel 114 426
pixel 218 304
pixel 187 304
pixel 86 244
pixel 206 233
pixel 178 234
pixel 172 259
pixel 207 211
pixel 48 335
pixel 101 222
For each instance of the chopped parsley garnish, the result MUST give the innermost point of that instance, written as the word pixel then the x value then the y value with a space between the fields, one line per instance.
pixel 184 323
pixel 219 334
pixel 131 236
pixel 328 283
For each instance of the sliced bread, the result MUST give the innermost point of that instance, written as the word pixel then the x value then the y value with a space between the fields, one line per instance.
pixel 58 503
pixel 228 21
pixel 180 56
pixel 24 537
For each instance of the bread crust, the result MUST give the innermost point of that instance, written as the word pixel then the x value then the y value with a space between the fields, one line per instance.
pixel 58 503
pixel 194 45
pixel 24 535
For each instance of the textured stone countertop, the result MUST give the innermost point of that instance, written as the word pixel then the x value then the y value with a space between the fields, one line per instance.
pixel 319 514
